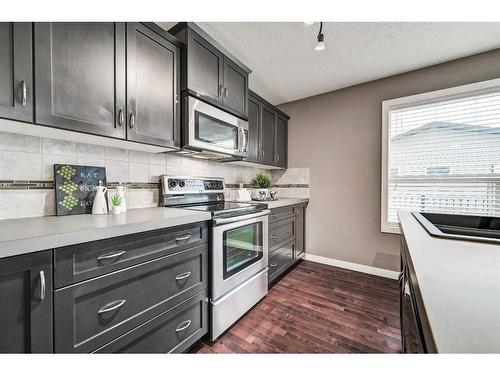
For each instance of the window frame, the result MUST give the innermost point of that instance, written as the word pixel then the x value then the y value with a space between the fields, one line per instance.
pixel 410 101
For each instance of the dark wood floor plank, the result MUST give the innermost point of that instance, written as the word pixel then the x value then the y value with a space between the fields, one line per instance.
pixel 318 308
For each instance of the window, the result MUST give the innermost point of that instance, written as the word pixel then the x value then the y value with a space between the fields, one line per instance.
pixel 445 147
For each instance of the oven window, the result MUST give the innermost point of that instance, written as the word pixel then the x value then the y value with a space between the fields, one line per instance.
pixel 242 247
pixel 211 130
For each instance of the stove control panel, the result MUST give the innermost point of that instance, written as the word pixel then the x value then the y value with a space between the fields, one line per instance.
pixel 191 185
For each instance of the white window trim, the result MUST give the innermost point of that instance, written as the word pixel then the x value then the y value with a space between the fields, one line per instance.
pixel 407 101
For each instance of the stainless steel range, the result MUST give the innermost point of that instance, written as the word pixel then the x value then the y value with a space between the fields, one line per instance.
pixel 239 245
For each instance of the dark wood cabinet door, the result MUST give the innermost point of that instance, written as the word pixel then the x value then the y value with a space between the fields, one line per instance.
pixel 267 135
pixel 254 108
pixel 281 145
pixel 16 84
pixel 26 307
pixel 80 77
pixel 300 229
pixel 205 68
pixel 152 87
pixel 235 88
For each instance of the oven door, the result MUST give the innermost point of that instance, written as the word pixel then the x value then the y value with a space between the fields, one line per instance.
pixel 240 250
pixel 211 129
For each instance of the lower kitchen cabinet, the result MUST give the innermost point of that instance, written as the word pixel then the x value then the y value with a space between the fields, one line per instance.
pixel 173 331
pixel 26 303
pixel 90 314
pixel 140 293
pixel 286 239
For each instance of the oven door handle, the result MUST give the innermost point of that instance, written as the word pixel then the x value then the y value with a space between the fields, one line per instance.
pixel 234 219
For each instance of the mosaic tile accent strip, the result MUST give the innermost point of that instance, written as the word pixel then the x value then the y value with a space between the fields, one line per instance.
pixel 281 186
pixel 49 185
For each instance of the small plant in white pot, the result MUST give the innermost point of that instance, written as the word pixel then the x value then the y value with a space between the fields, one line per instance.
pixel 261 183
pixel 116 202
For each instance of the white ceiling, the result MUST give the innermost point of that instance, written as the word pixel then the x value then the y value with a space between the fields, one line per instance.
pixel 286 67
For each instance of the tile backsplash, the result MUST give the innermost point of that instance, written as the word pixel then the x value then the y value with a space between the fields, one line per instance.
pixel 26 173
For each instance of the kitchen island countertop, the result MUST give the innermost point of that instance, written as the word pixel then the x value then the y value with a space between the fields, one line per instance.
pixel 27 235
pixel 459 283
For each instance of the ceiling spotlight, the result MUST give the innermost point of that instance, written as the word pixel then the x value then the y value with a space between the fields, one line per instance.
pixel 309 23
pixel 320 46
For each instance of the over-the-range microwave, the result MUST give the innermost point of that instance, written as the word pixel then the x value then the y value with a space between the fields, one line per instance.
pixel 211 133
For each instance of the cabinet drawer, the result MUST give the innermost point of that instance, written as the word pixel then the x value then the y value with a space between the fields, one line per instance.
pixel 281 213
pixel 281 259
pixel 174 330
pixel 84 261
pixel 281 231
pixel 92 313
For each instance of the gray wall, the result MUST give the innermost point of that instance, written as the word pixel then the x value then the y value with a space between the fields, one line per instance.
pixel 338 136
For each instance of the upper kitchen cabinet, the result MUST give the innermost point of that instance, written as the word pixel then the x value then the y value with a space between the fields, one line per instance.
pixel 16 83
pixel 210 72
pixel 281 141
pixel 268 133
pixel 26 307
pixel 80 77
pixel 153 85
pixel 254 119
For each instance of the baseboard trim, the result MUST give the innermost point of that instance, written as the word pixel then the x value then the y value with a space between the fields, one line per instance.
pixel 353 266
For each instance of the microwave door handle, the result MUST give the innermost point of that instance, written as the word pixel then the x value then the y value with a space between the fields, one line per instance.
pixel 241 137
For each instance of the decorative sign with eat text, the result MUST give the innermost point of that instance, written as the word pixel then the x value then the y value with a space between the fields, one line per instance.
pixel 75 188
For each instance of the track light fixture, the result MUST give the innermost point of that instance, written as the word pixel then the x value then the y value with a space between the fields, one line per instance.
pixel 320 46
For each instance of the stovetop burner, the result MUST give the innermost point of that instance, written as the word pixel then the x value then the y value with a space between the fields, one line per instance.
pixel 227 208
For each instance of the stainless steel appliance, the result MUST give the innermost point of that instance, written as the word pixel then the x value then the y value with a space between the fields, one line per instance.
pixel 239 245
pixel 211 133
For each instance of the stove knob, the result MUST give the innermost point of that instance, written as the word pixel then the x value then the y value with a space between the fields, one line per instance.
pixel 214 185
pixel 182 184
pixel 172 184
pixel 220 185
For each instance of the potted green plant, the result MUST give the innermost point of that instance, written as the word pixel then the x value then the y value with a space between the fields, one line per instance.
pixel 261 183
pixel 116 201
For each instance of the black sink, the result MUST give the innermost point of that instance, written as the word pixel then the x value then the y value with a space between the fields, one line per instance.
pixel 461 227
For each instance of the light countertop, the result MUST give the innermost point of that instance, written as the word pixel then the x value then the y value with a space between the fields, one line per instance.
pixel 459 284
pixel 282 202
pixel 21 236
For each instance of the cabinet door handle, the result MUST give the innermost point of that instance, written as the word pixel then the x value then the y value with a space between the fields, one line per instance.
pixel 24 94
pixel 176 98
pixel 120 117
pixel 131 123
pixel 183 326
pixel 110 255
pixel 273 264
pixel 276 157
pixel 112 306
pixel 183 238
pixel 289 255
pixel 42 286
pixel 226 92
pixel 183 276
pixel 221 90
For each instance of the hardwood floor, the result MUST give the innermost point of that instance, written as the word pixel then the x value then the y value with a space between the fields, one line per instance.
pixel 319 309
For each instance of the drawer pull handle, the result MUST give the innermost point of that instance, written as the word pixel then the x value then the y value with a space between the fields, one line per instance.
pixel 183 326
pixel 112 306
pixel 110 255
pixel 183 238
pixel 273 264
pixel 42 286
pixel 183 276
pixel 274 236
